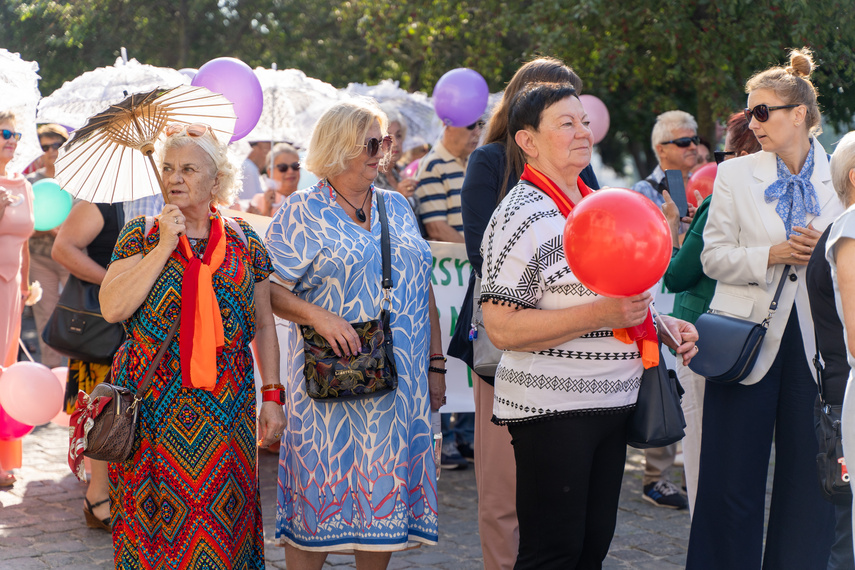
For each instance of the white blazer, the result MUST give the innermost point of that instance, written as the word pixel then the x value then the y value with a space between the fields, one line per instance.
pixel 741 227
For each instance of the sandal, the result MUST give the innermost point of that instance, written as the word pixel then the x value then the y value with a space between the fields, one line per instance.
pixel 7 479
pixel 91 520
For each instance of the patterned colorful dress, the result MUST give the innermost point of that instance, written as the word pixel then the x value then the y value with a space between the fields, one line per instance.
pixel 360 474
pixel 188 496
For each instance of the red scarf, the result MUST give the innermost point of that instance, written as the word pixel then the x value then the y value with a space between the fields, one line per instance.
pixel 644 334
pixel 201 339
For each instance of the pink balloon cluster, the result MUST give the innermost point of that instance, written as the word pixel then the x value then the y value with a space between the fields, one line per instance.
pixel 30 395
pixel 598 114
pixel 235 81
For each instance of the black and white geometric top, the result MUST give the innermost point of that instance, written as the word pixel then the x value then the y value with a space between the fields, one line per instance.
pixel 524 266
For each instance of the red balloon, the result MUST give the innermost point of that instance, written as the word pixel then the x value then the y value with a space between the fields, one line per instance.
pixel 701 180
pixel 617 242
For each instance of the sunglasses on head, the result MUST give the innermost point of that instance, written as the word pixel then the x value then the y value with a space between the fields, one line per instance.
pixel 295 166
pixel 54 146
pixel 194 130
pixel 684 142
pixel 7 134
pixel 720 155
pixel 373 146
pixel 761 111
pixel 479 124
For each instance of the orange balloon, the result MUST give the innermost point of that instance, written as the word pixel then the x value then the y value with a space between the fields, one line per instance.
pixel 701 180
pixel 617 242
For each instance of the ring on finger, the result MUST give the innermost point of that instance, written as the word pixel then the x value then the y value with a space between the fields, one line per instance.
pixel 176 219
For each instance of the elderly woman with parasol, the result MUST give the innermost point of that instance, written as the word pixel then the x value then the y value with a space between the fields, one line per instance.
pixel 188 494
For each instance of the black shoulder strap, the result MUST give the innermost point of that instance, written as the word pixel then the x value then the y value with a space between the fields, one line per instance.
pixel 784 276
pixel 658 186
pixel 385 245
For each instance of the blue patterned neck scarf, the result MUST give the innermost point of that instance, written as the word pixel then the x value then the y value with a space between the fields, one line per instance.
pixel 795 194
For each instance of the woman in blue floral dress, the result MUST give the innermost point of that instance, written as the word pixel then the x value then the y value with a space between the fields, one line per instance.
pixel 354 476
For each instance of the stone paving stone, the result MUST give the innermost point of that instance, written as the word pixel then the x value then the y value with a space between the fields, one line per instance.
pixel 42 523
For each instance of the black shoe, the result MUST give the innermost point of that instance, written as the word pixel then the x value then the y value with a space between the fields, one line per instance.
pixel 665 494
pixel 451 458
pixel 466 451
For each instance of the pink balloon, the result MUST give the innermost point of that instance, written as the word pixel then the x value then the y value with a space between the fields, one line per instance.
pixel 460 97
pixel 412 169
pixel 62 418
pixel 236 81
pixel 30 393
pixel 598 114
pixel 11 428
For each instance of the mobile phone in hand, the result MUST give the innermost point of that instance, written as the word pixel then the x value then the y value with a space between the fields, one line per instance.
pixel 677 190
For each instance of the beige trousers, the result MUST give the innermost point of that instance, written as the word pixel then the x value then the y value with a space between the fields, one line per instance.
pixel 495 476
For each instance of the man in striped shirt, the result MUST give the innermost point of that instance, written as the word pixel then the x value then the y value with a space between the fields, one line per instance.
pixel 440 178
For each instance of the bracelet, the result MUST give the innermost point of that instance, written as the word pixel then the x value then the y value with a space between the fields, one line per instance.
pixel 267 387
pixel 277 396
pixel 438 357
pixel 438 370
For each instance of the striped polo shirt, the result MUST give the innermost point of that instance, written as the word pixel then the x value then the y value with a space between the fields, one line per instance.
pixel 438 192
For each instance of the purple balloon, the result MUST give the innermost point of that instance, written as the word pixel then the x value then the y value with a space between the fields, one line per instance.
pixel 236 81
pixel 460 97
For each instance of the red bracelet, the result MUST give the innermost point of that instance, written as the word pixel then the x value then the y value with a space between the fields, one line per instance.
pixel 277 396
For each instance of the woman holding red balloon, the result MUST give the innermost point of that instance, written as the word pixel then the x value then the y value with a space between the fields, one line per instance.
pixel 16 226
pixel 685 277
pixel 566 385
pixel 766 215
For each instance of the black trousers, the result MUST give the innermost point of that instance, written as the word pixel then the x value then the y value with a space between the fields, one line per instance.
pixel 569 473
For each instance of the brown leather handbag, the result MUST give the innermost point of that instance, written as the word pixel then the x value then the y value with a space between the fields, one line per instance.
pixel 111 436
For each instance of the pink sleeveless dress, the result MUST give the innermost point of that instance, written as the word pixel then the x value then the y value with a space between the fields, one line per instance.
pixel 16 226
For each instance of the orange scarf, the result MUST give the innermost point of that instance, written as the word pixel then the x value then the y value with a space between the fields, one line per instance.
pixel 644 335
pixel 201 339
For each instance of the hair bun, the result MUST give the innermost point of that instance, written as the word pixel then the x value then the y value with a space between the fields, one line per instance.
pixel 801 63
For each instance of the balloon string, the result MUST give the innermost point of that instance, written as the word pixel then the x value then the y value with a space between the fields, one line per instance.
pixel 658 318
pixel 26 352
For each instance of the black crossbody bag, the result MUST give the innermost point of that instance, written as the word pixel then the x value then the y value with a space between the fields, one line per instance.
pixel 728 346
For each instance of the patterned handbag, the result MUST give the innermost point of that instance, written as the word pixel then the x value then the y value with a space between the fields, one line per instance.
pixel 372 371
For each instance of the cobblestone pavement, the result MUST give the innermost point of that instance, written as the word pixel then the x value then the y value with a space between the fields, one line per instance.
pixel 42 525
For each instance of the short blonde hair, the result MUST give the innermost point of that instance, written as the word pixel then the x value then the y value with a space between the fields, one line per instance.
pixel 792 85
pixel 339 136
pixel 842 163
pixel 667 123
pixel 226 167
pixel 8 116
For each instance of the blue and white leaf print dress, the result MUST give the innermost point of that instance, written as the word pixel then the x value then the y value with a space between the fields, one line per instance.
pixel 355 475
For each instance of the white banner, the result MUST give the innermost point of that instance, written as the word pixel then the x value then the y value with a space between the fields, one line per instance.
pixel 451 271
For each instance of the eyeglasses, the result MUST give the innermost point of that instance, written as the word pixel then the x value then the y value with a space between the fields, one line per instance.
pixel 684 142
pixel 7 134
pixel 761 111
pixel 54 146
pixel 373 146
pixel 295 166
pixel 720 155
pixel 194 130
pixel 478 124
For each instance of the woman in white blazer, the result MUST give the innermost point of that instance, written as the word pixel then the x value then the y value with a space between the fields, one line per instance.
pixel 767 212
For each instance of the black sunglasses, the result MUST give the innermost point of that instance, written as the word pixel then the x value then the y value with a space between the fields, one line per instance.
pixel 479 124
pixel 7 134
pixel 54 146
pixel 720 155
pixel 761 111
pixel 295 166
pixel 684 142
pixel 373 145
